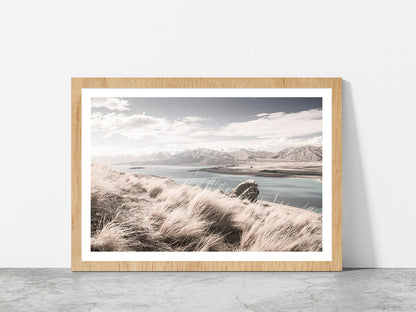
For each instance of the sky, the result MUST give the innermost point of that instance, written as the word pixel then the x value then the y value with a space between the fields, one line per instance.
pixel 142 126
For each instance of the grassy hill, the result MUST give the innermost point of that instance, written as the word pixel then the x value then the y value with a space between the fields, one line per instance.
pixel 131 212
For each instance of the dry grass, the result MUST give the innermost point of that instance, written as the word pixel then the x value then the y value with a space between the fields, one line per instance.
pixel 132 212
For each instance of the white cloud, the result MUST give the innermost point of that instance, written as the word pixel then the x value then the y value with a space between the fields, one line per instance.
pixel 131 126
pixel 278 125
pixel 110 103
pixel 142 127
pixel 194 119
pixel 269 132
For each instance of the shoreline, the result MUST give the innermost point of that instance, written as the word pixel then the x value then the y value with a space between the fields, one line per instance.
pixel 275 173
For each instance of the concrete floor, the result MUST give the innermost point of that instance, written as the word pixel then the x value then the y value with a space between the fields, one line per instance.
pixel 351 290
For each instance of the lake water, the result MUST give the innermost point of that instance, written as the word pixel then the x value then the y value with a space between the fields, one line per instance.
pixel 301 193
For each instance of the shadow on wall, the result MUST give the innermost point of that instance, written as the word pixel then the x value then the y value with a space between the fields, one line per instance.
pixel 358 242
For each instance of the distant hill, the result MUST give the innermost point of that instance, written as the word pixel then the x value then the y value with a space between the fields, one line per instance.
pixel 302 153
pixel 209 157
pixel 197 157
pixel 201 156
pixel 242 154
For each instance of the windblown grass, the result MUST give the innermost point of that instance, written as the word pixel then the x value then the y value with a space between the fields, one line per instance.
pixel 132 212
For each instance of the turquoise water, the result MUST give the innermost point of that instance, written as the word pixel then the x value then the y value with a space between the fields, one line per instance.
pixel 301 193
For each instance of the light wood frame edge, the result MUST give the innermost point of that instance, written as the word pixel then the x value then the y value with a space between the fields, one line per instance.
pixel 334 83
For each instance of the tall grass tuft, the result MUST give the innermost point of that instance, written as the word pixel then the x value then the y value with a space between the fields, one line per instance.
pixel 131 212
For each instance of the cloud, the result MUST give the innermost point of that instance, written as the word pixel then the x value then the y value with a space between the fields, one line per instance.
pixel 194 119
pixel 135 126
pixel 142 127
pixel 110 103
pixel 277 125
pixel 268 132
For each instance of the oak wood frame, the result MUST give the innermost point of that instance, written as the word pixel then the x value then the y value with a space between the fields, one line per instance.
pixel 334 83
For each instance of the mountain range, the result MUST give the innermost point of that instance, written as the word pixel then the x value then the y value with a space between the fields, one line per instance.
pixel 209 157
pixel 302 153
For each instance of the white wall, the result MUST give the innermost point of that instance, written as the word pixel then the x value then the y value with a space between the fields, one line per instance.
pixel 370 44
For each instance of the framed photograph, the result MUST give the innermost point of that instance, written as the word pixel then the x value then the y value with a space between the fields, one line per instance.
pixel 206 174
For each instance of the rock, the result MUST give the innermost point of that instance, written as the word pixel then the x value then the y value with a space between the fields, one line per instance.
pixel 247 189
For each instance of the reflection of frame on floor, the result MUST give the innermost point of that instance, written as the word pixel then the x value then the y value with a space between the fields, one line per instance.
pixel 330 259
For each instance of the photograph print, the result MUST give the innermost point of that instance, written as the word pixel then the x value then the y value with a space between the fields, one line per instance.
pixel 206 174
